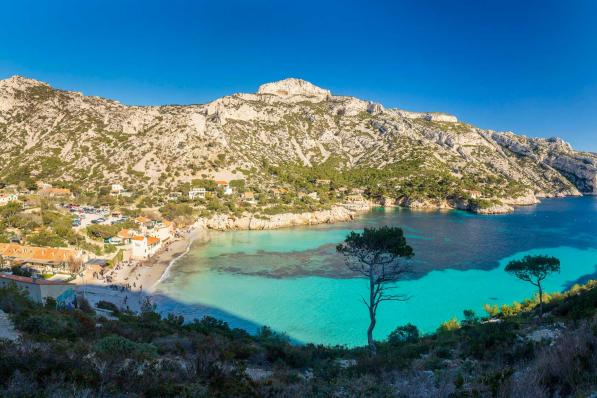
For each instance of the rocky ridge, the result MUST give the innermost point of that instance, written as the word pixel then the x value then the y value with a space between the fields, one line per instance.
pixel 59 135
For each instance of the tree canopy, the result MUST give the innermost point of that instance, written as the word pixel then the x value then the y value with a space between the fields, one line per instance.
pixel 533 269
pixel 384 244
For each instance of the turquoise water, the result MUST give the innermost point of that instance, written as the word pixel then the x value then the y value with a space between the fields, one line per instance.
pixel 292 281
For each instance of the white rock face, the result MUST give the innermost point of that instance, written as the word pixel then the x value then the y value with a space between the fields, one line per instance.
pixel 527 199
pixel 374 108
pixel 291 87
pixel 348 106
pixel 431 116
pixel 223 222
pixel 580 168
pixel 441 117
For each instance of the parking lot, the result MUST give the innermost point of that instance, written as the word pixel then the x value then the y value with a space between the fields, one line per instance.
pixel 86 216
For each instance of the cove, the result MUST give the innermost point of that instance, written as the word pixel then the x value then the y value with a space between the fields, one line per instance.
pixel 247 278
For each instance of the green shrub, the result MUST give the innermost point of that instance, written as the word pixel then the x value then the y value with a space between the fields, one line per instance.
pixel 118 348
pixel 49 325
pixel 14 301
pixel 46 238
pixel 99 231
pixel 173 210
pixel 408 333
pixel 20 271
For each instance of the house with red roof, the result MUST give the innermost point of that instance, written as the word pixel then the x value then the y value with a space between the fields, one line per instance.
pixel 224 185
pixel 143 247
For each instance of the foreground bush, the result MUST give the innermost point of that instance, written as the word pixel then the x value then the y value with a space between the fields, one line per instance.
pixel 73 353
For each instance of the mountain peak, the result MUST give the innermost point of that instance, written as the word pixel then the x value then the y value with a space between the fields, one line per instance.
pixel 291 86
pixel 18 81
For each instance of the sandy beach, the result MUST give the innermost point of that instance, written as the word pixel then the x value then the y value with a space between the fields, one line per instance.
pixel 128 284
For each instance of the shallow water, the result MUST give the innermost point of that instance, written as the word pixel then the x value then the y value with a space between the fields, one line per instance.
pixel 293 281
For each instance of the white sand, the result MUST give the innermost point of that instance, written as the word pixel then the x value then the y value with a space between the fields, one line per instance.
pixel 132 283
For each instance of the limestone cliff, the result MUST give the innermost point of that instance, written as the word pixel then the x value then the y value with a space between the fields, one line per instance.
pixel 59 135
pixel 224 222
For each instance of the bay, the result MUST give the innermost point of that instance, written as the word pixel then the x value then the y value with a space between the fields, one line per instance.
pixel 293 281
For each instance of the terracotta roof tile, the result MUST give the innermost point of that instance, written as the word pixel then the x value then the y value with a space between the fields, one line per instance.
pixel 153 240
pixel 125 234
pixel 32 253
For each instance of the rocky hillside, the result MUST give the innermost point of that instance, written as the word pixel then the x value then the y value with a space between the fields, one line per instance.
pixel 64 136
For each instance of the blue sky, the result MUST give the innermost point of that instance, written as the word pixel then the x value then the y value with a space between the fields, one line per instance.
pixel 526 66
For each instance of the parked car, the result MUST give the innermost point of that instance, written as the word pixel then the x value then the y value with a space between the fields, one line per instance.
pixel 76 223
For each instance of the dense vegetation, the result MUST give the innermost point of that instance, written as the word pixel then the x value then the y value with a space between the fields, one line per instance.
pixel 79 353
pixel 418 177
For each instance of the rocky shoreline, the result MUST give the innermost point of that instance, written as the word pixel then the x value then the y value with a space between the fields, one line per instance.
pixel 343 213
pixel 483 206
pixel 225 222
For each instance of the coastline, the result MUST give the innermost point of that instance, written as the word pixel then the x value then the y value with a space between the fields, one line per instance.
pixel 337 213
pixel 348 212
pixel 169 261
pixel 146 276
pixel 132 283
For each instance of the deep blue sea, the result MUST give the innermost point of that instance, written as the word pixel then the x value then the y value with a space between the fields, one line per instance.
pixel 293 281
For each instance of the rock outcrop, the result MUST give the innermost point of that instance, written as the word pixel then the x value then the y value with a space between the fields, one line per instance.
pixel 224 222
pixel 430 116
pixel 578 167
pixel 291 87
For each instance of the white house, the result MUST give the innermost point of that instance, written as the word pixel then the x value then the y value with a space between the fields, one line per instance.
pixel 126 235
pixel 249 197
pixel 142 247
pixel 162 230
pixel 37 289
pixel 118 190
pixel 225 186
pixel 6 198
pixel 197 193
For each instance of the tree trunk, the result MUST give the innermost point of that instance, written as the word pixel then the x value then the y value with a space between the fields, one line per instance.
pixel 540 301
pixel 372 321
pixel 370 341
